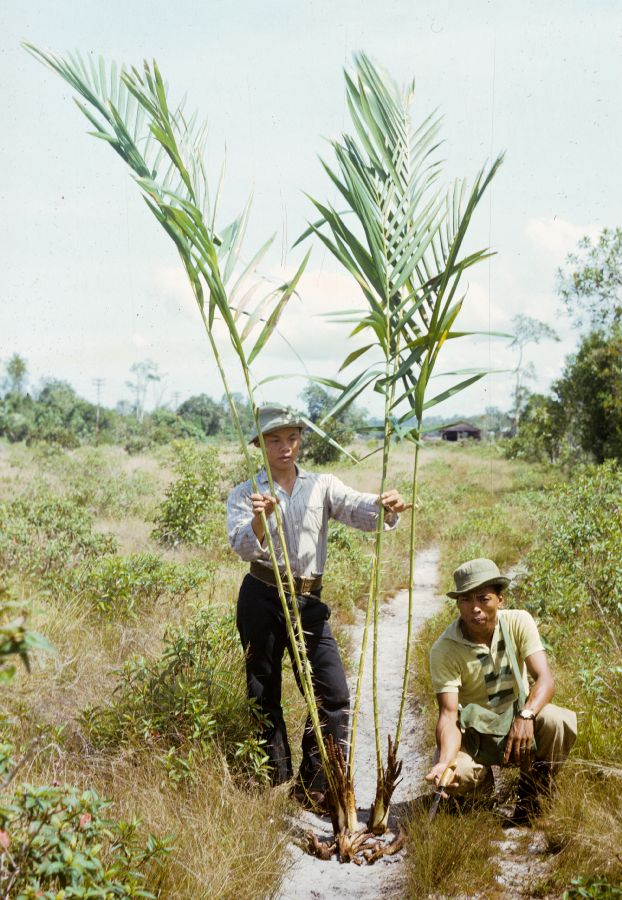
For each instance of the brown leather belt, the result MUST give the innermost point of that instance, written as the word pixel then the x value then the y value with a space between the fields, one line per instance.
pixel 302 585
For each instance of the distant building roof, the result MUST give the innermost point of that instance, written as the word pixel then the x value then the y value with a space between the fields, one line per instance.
pixel 459 430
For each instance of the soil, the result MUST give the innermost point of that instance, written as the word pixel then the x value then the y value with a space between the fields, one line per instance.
pixel 313 879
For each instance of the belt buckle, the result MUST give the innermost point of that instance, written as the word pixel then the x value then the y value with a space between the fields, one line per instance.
pixel 306 584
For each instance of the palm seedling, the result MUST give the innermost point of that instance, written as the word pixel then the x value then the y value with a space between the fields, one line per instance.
pixel 400 238
pixel 164 150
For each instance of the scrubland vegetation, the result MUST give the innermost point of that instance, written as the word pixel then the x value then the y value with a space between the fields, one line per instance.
pixel 138 695
pixel 139 769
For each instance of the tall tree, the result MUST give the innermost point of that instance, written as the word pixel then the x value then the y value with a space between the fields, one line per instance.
pixel 526 330
pixel 590 392
pixel 16 374
pixel 590 283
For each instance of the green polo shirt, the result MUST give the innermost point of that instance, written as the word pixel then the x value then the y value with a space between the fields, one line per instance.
pixel 479 673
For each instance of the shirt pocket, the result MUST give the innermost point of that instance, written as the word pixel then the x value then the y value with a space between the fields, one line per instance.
pixel 313 520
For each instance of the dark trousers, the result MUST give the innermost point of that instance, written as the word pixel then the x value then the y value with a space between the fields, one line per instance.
pixel 261 625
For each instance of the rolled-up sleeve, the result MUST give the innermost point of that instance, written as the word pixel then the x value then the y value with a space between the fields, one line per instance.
pixel 444 670
pixel 242 538
pixel 356 508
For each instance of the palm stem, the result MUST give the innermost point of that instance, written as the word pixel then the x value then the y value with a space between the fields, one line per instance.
pixel 411 587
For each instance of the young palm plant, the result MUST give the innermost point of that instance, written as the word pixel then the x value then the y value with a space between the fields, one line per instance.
pixel 400 238
pixel 164 150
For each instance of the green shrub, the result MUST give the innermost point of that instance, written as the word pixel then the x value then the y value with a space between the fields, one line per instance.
pixel 16 639
pixel 191 512
pixel 317 449
pixel 592 889
pixel 124 584
pixel 348 569
pixel 56 843
pixel 190 699
pixel 578 564
pixel 574 585
pixel 42 536
pixel 90 478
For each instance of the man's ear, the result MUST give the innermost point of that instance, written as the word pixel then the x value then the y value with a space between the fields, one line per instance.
pixel 501 599
pixel 256 442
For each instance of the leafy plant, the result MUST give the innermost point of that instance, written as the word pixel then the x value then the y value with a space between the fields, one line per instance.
pixel 187 701
pixel 56 843
pixel 121 585
pixel 16 639
pixel 401 240
pixel 591 889
pixel 192 511
pixel 43 535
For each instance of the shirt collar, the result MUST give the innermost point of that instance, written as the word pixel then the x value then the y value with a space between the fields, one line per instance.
pixel 263 476
pixel 454 633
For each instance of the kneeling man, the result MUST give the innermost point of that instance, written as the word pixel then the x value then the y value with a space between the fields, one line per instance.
pixel 488 712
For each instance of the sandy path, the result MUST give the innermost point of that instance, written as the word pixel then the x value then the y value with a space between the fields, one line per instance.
pixel 313 879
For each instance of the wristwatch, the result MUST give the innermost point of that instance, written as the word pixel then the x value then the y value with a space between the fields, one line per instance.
pixel 527 714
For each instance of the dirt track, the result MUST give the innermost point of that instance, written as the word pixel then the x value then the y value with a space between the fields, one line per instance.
pixel 312 879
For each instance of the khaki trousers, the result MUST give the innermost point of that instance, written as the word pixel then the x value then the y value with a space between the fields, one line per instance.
pixel 555 733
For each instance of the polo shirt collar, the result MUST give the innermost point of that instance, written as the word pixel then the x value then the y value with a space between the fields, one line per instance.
pixel 454 633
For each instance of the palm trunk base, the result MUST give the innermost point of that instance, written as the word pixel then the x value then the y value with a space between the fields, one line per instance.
pixel 362 848
pixel 352 842
pixel 388 779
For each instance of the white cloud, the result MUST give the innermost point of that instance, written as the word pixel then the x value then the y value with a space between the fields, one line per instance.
pixel 555 237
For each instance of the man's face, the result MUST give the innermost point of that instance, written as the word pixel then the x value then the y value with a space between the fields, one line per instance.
pixel 282 448
pixel 478 609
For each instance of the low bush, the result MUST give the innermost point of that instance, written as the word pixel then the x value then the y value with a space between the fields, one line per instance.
pixel 42 536
pixel 55 842
pixel 184 703
pixel 16 639
pixel 90 478
pixel 123 585
pixel 574 585
pixel 192 511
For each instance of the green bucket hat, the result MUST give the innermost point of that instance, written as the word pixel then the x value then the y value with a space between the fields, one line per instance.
pixel 474 574
pixel 273 417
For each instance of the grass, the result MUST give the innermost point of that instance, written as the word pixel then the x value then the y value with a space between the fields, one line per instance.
pixel 450 857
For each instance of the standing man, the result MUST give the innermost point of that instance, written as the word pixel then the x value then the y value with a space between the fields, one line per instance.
pixel 489 714
pixel 306 501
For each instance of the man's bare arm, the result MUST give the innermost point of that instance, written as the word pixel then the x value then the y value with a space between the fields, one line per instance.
pixel 448 736
pixel 520 736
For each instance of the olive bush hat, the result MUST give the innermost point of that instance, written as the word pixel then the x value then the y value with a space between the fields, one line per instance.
pixel 273 417
pixel 474 574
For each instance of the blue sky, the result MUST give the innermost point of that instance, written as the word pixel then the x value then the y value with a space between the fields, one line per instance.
pixel 90 285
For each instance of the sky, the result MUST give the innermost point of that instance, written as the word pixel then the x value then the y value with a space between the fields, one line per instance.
pixel 90 284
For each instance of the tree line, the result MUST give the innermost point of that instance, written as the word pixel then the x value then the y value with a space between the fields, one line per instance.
pixel 582 415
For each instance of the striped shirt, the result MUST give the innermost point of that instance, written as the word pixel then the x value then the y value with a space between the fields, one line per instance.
pixel 314 500
pixel 479 673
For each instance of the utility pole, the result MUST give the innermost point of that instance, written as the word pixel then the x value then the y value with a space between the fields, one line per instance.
pixel 99 383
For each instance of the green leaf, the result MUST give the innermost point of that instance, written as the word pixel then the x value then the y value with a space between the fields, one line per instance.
pixel 453 390
pixel 270 325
